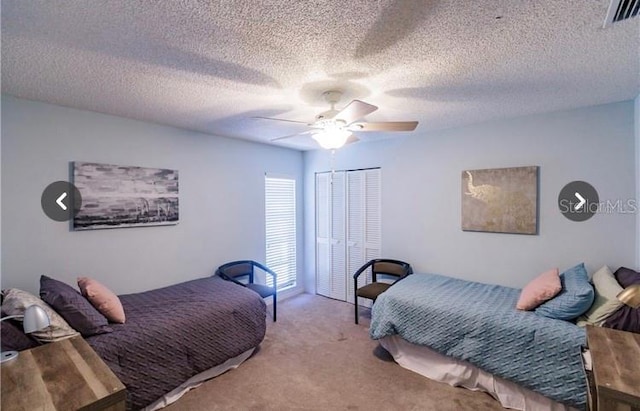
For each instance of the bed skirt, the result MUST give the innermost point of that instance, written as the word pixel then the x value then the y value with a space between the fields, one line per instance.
pixel 197 380
pixel 458 373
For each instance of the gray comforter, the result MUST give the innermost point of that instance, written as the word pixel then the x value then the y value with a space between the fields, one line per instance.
pixel 175 332
pixel 479 323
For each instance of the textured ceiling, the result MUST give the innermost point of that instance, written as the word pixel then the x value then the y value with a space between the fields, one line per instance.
pixel 212 65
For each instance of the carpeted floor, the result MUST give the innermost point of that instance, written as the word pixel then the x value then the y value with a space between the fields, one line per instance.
pixel 316 358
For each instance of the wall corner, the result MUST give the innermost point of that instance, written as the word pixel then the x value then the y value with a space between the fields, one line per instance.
pixel 637 150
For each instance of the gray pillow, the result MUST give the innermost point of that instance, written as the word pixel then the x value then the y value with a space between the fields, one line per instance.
pixel 627 276
pixel 73 307
pixel 13 338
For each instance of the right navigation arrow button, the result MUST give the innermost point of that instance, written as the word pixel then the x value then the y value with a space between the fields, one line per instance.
pixel 578 201
pixel 581 203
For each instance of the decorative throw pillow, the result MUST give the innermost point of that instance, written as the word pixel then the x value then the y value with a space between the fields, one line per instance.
pixel 103 299
pixel 540 289
pixel 73 307
pixel 625 319
pixel 16 302
pixel 574 299
pixel 627 276
pixel 13 338
pixel 605 302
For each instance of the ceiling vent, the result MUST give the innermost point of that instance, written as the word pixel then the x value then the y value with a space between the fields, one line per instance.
pixel 621 10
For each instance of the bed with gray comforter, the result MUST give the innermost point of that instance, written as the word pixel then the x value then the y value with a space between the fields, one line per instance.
pixel 176 332
pixel 479 323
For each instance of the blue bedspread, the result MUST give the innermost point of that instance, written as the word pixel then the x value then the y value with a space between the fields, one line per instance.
pixel 479 323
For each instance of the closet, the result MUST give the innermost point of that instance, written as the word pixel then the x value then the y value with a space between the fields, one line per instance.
pixel 348 229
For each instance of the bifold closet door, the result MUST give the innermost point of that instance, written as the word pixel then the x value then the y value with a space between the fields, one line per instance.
pixel 323 234
pixel 330 235
pixel 348 227
pixel 363 226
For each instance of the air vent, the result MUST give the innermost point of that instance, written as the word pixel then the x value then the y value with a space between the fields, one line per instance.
pixel 621 10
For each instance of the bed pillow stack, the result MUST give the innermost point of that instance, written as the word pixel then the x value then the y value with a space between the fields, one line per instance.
pixel 605 302
pixel 575 298
pixel 70 312
pixel 16 302
pixel 73 307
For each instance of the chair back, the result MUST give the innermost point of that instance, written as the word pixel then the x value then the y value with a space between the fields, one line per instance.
pixel 395 268
pixel 379 266
pixel 245 268
pixel 237 269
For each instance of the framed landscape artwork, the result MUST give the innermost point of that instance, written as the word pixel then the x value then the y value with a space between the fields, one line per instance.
pixel 500 200
pixel 123 196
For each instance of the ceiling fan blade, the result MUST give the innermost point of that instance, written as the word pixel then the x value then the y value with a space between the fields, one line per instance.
pixel 293 135
pixel 279 119
pixel 355 111
pixel 385 126
pixel 352 139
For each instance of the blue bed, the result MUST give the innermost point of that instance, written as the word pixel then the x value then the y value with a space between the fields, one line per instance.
pixel 479 323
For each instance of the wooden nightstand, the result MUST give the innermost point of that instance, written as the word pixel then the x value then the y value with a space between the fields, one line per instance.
pixel 615 356
pixel 64 375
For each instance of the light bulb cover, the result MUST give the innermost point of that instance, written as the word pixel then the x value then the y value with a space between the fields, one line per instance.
pixel 35 319
pixel 332 139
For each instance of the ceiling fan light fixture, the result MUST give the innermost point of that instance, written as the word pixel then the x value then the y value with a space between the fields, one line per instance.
pixel 332 128
pixel 332 139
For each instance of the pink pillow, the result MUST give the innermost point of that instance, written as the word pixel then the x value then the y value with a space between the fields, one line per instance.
pixel 102 298
pixel 542 288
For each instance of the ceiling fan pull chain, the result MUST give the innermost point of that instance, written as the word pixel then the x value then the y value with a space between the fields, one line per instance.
pixel 333 162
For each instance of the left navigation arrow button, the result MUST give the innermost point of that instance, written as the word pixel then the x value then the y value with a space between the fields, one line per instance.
pixel 60 203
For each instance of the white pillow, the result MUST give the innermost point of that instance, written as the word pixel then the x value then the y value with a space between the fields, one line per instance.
pixel 605 303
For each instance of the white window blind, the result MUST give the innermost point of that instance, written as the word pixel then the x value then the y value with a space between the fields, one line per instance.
pixel 280 217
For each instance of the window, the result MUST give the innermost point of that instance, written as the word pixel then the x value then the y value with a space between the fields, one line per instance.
pixel 280 217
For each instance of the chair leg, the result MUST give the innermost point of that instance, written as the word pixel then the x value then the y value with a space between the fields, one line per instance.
pixel 355 298
pixel 355 305
pixel 275 301
pixel 356 308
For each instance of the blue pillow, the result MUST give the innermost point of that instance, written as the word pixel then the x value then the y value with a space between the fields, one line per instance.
pixel 573 300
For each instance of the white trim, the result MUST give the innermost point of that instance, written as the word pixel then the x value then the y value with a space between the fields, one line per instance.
pixel 611 13
pixel 279 175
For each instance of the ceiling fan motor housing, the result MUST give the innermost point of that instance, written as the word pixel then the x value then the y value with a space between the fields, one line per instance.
pixel 331 97
pixel 325 115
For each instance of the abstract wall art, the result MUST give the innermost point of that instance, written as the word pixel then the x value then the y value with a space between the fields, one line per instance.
pixel 116 196
pixel 500 200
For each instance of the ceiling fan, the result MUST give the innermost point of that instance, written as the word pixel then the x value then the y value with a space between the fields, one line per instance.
pixel 333 128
